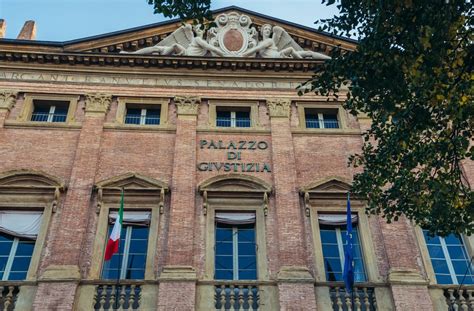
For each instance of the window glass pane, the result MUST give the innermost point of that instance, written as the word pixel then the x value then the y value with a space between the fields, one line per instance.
pixel 138 246
pixel 5 248
pixel 328 236
pixel 247 249
pixel 247 262
pixel 247 235
pixel 224 262
pixel 223 234
pixel 25 248
pixel 223 118
pixel 135 274
pixel 3 263
pixel 333 265
pixel 331 251
pixel 140 232
pixel 444 279
pixel 461 267
pixel 453 239
pixel 440 266
pixel 136 261
pixel 436 251
pixel 312 120
pixel 110 274
pixel 17 276
pixel 242 119
pixel 431 239
pixel 456 252
pixel 224 274
pixel 224 248
pixel 133 116
pixel 469 279
pixel 247 274
pixel 21 264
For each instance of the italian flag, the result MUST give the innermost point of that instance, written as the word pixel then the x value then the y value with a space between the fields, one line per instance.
pixel 114 239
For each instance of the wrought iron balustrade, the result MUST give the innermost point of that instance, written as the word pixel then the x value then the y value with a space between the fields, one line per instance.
pixel 328 124
pixel 227 122
pixel 147 120
pixel 48 117
pixel 125 295
pixel 238 295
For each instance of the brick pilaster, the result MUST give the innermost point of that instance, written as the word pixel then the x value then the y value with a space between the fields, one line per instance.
pixel 178 275
pixel 66 244
pixel 294 276
pixel 405 276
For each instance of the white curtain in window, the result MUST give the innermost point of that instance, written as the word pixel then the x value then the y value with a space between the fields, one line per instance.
pixel 235 218
pixel 22 224
pixel 335 219
pixel 132 218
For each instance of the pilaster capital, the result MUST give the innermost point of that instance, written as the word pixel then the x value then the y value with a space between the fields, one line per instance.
pixel 187 105
pixel 279 107
pixel 7 99
pixel 98 103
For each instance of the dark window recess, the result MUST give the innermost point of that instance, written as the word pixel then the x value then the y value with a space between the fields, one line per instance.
pixel 142 116
pixel 233 117
pixel 316 118
pixel 49 111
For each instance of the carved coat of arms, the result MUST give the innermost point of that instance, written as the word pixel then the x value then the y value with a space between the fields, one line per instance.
pixel 233 36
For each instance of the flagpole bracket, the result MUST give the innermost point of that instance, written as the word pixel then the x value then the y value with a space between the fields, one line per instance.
pixel 307 205
pixel 100 200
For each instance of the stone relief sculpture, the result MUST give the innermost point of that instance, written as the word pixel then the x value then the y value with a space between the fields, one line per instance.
pixel 280 45
pixel 233 36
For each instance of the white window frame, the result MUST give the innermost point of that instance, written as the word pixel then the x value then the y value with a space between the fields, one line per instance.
pixel 52 108
pixel 11 257
pixel 235 252
pixel 449 262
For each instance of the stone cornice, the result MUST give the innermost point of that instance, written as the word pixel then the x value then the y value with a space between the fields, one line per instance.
pixel 147 61
pixel 187 105
pixel 98 103
pixel 7 99
pixel 279 107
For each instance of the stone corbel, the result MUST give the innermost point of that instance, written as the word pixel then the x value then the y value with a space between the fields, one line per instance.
pixel 204 202
pixel 279 107
pixel 98 103
pixel 57 194
pixel 100 199
pixel 7 99
pixel 187 105
pixel 307 205
pixel 161 205
pixel 265 203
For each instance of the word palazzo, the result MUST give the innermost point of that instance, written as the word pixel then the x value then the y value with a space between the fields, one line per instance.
pixel 231 145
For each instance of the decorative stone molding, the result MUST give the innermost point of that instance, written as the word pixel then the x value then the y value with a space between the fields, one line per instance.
pixel 178 273
pixel 61 273
pixel 405 277
pixel 279 107
pixel 98 103
pixel 7 99
pixel 295 274
pixel 187 105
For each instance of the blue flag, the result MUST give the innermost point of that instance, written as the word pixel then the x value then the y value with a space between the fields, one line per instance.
pixel 348 274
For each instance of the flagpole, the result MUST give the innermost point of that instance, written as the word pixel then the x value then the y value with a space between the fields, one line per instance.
pixel 120 258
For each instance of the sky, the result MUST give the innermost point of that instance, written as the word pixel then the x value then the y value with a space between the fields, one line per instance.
pixel 62 20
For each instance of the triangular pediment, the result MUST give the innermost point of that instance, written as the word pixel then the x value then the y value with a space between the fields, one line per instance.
pixel 328 185
pixel 132 40
pixel 237 31
pixel 131 181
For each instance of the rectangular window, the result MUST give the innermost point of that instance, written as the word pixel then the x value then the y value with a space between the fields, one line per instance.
pixel 235 248
pixel 18 232
pixel 142 116
pixel 129 262
pixel 15 257
pixel 450 260
pixel 233 117
pixel 49 111
pixel 321 118
pixel 333 238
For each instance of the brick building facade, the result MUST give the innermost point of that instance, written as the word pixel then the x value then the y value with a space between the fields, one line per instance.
pixel 234 186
